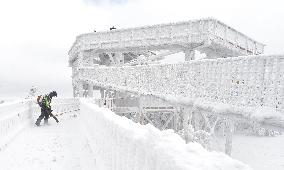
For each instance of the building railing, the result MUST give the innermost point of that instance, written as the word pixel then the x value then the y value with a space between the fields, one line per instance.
pixel 195 31
pixel 123 144
pixel 18 115
pixel 254 81
pixel 14 116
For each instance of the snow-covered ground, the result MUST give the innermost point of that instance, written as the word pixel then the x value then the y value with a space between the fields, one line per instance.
pixel 5 99
pixel 55 146
pixel 123 144
pixel 97 138
pixel 261 153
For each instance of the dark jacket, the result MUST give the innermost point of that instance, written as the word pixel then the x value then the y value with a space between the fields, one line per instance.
pixel 46 101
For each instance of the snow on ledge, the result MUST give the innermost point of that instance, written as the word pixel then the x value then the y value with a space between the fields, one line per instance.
pixel 265 115
pixel 123 144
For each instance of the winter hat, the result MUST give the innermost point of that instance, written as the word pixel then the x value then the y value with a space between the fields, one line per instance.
pixel 39 98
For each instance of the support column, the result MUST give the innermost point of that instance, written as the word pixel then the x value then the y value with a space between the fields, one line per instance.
pixel 81 89
pixel 229 130
pixel 102 91
pixel 188 130
pixel 80 59
pixel 175 122
pixel 75 88
pixel 189 55
pixel 74 91
pixel 111 58
pixel 119 58
pixel 96 58
pixel 141 110
pixel 90 90
pixel 116 58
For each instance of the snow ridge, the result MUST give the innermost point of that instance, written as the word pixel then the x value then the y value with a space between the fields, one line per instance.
pixel 123 144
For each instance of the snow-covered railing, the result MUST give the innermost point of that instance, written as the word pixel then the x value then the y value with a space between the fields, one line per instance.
pixel 105 102
pixel 123 144
pixel 14 116
pixel 254 81
pixel 61 106
pixel 17 115
pixel 65 105
pixel 209 31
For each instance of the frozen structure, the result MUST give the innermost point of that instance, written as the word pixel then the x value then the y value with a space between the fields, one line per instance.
pixel 87 133
pixel 196 98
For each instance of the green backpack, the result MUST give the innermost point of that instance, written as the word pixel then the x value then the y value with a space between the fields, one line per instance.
pixel 46 102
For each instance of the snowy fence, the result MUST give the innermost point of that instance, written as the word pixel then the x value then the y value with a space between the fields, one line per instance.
pixel 61 106
pixel 254 81
pixel 16 116
pixel 123 144
pixel 65 105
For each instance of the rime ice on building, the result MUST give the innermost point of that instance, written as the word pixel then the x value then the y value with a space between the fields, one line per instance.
pixel 128 46
pixel 123 64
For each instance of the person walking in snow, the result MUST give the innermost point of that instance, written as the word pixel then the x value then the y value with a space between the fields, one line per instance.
pixel 44 103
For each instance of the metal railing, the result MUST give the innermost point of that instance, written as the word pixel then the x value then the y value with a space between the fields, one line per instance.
pixel 16 116
pixel 254 81
pixel 196 31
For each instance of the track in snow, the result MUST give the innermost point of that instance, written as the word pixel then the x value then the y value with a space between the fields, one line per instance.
pixel 51 147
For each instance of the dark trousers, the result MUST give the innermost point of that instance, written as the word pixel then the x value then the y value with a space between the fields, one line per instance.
pixel 45 114
pixel 51 115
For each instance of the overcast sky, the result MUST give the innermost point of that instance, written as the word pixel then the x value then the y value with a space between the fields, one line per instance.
pixel 35 35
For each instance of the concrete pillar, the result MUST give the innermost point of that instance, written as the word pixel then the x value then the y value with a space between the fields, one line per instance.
pixel 189 55
pixel 90 90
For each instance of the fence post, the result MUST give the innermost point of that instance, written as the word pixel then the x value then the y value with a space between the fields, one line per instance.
pixel 188 130
pixel 229 130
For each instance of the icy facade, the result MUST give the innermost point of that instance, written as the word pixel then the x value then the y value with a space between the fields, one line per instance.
pixel 223 92
pixel 242 81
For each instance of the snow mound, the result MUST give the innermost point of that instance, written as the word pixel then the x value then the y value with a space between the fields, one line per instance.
pixel 123 144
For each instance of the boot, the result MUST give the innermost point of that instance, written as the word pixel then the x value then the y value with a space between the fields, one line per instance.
pixel 45 121
pixel 37 122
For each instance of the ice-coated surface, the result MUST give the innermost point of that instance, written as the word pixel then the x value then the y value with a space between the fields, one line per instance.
pixel 96 138
pixel 253 82
pixel 123 144
pixel 214 33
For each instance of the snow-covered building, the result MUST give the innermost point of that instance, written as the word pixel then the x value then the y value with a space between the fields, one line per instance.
pixel 140 45
pixel 221 91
